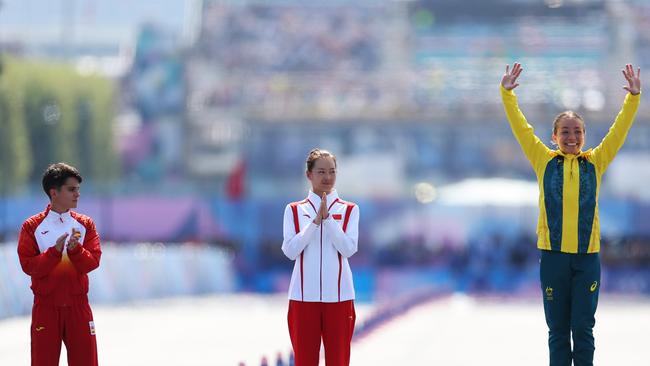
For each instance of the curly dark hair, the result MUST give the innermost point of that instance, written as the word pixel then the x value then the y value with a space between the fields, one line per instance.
pixel 56 174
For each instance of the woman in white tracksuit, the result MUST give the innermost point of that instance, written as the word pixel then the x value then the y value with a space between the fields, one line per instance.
pixel 320 234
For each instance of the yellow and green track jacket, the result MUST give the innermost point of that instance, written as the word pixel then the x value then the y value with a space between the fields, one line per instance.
pixel 569 184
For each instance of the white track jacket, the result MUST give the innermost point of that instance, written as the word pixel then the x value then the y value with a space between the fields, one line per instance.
pixel 321 272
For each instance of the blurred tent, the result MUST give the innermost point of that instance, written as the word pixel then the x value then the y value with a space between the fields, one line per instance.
pixel 490 192
pixel 463 211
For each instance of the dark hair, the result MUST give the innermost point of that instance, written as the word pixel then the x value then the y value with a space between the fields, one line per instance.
pixel 56 174
pixel 567 114
pixel 316 154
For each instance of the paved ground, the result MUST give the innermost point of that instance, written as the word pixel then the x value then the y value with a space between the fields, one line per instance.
pixel 460 331
pixel 226 330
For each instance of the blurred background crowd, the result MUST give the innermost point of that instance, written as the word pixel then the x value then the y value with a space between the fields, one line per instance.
pixel 191 120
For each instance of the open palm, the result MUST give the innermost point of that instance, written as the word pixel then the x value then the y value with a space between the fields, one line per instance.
pixel 509 80
pixel 633 81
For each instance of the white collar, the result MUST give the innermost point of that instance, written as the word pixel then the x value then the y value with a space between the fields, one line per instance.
pixel 57 216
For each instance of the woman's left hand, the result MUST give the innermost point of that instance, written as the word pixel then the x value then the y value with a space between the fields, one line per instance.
pixel 633 81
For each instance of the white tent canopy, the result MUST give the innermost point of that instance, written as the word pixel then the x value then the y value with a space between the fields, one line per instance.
pixel 490 192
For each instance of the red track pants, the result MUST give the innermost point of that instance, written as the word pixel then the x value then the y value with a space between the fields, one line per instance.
pixel 71 324
pixel 309 321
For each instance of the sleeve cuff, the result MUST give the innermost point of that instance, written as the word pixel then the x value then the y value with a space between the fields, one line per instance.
pixel 329 222
pixel 52 252
pixel 75 251
pixel 505 91
pixel 311 227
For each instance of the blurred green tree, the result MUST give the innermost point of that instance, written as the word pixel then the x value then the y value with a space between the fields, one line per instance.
pixel 50 113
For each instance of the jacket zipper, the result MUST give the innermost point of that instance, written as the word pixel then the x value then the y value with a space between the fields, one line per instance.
pixel 321 261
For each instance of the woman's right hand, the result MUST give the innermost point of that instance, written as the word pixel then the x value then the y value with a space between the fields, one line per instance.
pixel 60 242
pixel 323 212
pixel 319 217
pixel 509 80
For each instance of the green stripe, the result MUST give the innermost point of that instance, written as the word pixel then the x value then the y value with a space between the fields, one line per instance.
pixel 587 208
pixel 553 186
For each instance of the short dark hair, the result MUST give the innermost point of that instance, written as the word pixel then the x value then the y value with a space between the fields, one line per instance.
pixel 56 174
pixel 316 154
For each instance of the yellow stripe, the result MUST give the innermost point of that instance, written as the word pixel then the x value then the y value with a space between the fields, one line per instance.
pixel 543 235
pixel 570 206
pixel 594 241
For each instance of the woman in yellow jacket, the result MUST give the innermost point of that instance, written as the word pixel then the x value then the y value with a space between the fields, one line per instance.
pixel 568 229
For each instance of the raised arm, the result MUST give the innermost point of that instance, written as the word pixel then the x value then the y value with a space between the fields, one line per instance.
pixel 605 152
pixel 533 147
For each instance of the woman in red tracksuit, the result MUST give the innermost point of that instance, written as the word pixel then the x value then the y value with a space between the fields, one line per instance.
pixel 320 234
pixel 57 248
